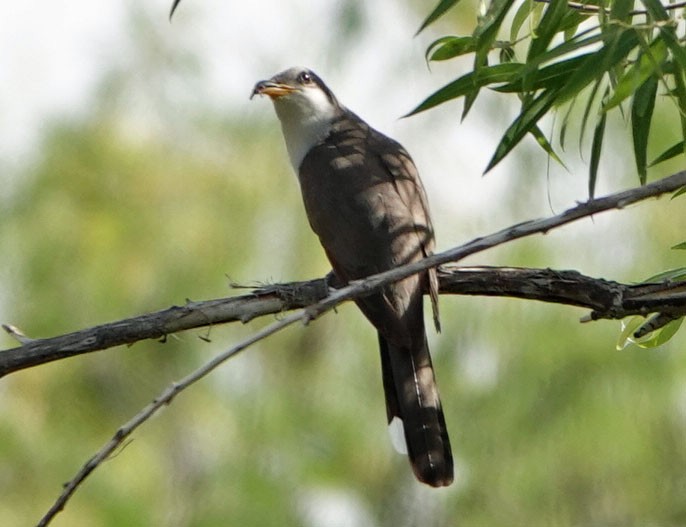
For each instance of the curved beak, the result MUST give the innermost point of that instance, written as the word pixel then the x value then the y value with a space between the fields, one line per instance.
pixel 273 89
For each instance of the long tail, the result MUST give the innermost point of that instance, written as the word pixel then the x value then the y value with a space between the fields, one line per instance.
pixel 412 396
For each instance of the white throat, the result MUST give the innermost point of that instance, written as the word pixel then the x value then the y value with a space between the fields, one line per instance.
pixel 305 120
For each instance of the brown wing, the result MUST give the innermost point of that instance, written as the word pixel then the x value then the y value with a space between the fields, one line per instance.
pixel 373 215
pixel 365 201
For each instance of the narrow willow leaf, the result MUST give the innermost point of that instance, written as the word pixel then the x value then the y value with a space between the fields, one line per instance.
pixel 452 47
pixel 679 192
pixel 573 45
pixel 674 275
pixel 628 328
pixel 543 142
pixel 680 94
pixel 480 65
pixel 438 11
pixel 571 31
pixel 547 28
pixel 587 111
pixel 641 116
pixel 597 64
pixel 565 123
pixel 656 9
pixel 651 340
pixel 173 8
pixel 522 13
pixel 680 246
pixel 531 113
pixel 550 76
pixel 667 29
pixel 647 65
pixel 620 9
pixel 437 44
pixel 596 148
pixel 659 336
pixel 545 31
pixel 488 28
pixel 671 152
pixel 469 83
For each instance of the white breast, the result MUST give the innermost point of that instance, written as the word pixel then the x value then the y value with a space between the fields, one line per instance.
pixel 305 120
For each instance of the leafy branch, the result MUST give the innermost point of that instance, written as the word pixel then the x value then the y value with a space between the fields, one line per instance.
pixel 572 52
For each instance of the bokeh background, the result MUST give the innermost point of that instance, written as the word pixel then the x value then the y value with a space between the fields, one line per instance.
pixel 135 174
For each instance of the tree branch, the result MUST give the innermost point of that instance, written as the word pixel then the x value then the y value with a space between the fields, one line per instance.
pixel 605 299
pixel 146 413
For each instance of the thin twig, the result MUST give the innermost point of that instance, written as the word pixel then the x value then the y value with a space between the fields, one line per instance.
pixel 146 413
pixel 617 200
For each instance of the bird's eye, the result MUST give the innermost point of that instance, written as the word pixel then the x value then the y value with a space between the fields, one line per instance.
pixel 305 78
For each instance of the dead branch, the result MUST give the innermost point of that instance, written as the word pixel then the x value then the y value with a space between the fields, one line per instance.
pixel 606 299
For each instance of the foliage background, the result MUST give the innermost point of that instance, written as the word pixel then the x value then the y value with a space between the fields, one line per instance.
pixel 165 180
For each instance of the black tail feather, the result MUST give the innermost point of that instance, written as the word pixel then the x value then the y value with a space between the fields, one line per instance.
pixel 412 396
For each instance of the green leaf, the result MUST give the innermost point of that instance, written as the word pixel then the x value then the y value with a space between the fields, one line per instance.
pixel 651 340
pixel 573 45
pixel 667 29
pixel 438 11
pixel 597 64
pixel 671 152
pixel 450 47
pixel 641 116
pixel 488 28
pixel 680 94
pixel 628 328
pixel 620 9
pixel 656 9
pixel 522 13
pixel 469 83
pixel 679 192
pixel 587 111
pixel 531 112
pixel 437 44
pixel 571 31
pixel 673 275
pixel 548 77
pixel 648 63
pixel 565 122
pixel 543 142
pixel 680 246
pixel 660 336
pixel 480 64
pixel 547 28
pixel 596 148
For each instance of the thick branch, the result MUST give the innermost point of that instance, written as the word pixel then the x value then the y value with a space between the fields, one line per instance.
pixel 618 200
pixel 605 299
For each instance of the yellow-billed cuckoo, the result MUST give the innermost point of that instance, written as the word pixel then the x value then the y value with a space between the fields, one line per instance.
pixel 365 201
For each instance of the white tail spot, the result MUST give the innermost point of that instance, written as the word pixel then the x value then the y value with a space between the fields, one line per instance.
pixel 396 430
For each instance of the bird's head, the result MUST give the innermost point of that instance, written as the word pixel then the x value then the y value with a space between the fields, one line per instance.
pixel 299 93
pixel 305 106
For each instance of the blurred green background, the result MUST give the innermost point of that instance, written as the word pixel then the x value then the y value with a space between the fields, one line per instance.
pixel 164 183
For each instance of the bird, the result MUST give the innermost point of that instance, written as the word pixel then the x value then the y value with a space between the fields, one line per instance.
pixel 366 203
